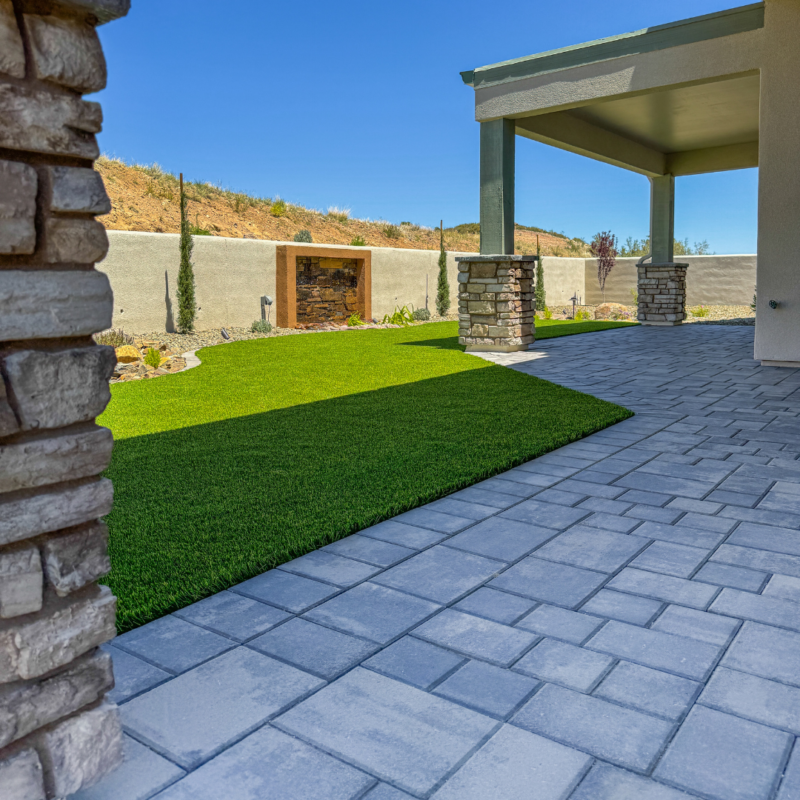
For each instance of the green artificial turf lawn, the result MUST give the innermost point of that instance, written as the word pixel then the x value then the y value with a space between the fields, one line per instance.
pixel 274 447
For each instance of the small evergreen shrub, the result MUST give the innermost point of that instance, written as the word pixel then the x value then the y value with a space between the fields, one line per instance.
pixel 539 293
pixel 152 357
pixel 260 326
pixel 755 297
pixel 187 307
pixel 278 208
pixel 421 314
pixel 548 314
pixel 443 285
pixel 113 337
pixel 358 241
pixel 700 311
pixel 304 236
pixel 581 316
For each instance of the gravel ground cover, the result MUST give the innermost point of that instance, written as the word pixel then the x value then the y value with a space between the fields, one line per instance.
pixel 272 448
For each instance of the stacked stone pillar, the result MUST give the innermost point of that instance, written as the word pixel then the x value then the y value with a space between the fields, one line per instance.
pixel 57 732
pixel 662 293
pixel 496 302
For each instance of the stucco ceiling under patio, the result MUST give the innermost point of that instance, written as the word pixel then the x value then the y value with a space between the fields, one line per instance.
pixel 685 129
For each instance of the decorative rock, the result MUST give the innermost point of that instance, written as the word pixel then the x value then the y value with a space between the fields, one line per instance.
pixel 21 777
pixel 8 420
pixel 12 52
pixel 82 241
pixel 42 304
pixel 104 10
pixel 611 311
pixel 67 456
pixel 21 518
pixel 28 706
pixel 20 582
pixel 76 189
pixel 67 52
pixel 74 560
pixel 83 749
pixel 31 649
pixel 128 354
pixel 53 389
pixel 43 122
pixel 18 184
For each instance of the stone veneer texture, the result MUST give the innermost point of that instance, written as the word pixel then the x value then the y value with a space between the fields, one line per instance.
pixel 662 293
pixel 58 734
pixel 496 302
pixel 327 289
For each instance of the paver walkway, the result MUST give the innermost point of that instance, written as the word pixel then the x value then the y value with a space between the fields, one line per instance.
pixel 617 620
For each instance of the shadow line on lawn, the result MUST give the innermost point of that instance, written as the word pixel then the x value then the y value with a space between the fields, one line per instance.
pixel 201 508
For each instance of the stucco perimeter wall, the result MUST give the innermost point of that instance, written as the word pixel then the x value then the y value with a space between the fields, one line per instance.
pixel 563 277
pixel 710 280
pixel 231 275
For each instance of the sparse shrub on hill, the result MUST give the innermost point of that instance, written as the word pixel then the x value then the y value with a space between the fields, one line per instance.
pixel 303 236
pixel 358 241
pixel 339 214
pixel 391 231
pixel 278 208
pixel 196 230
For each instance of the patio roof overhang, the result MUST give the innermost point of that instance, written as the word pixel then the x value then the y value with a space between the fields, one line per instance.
pixel 677 99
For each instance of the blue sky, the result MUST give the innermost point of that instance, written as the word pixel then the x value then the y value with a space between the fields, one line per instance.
pixel 361 105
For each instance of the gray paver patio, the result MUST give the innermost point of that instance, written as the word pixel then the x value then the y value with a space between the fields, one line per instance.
pixel 616 620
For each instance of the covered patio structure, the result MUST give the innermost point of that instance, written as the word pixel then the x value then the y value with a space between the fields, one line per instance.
pixel 711 93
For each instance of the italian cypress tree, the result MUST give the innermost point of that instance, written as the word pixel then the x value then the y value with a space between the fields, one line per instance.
pixel 443 288
pixel 187 307
pixel 541 301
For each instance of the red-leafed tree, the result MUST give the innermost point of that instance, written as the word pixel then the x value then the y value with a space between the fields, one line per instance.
pixel 604 249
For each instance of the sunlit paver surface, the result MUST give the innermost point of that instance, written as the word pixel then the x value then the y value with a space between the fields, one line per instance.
pixel 617 619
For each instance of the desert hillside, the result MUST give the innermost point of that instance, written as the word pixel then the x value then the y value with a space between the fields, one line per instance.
pixel 145 198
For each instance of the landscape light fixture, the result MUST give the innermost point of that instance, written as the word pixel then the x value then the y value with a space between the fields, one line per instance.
pixel 225 334
pixel 266 302
pixel 574 300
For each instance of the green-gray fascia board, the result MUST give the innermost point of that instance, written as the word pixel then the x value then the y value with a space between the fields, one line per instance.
pixel 660 37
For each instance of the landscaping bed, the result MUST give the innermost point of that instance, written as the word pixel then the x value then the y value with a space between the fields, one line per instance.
pixel 274 447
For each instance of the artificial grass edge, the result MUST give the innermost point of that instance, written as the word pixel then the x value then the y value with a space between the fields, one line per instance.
pixel 602 413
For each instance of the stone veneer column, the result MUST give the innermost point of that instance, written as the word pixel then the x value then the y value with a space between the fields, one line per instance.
pixel 495 302
pixel 662 293
pixel 57 732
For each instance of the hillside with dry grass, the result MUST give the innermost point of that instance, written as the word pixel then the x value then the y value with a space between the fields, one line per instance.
pixel 145 198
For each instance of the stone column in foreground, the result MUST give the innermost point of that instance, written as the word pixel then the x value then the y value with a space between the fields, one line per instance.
pixel 496 302
pixel 58 734
pixel 662 293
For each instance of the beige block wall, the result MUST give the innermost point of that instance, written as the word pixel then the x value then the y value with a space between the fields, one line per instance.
pixel 563 277
pixel 231 275
pixel 710 280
